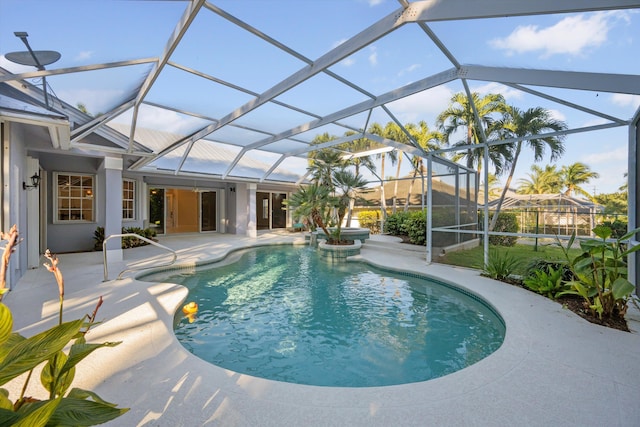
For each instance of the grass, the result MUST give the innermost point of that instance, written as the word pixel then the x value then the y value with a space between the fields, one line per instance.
pixel 474 258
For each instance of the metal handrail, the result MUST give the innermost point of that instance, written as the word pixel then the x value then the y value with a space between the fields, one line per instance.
pixel 104 251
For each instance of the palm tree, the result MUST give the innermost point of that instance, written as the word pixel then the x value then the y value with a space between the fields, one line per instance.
pixel 312 203
pixel 459 115
pixel 494 188
pixel 427 139
pixel 346 184
pixel 527 126
pixel 377 129
pixel 574 175
pixel 358 145
pixel 323 163
pixel 541 181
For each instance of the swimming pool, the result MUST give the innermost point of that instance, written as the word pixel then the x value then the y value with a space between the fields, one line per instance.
pixel 286 314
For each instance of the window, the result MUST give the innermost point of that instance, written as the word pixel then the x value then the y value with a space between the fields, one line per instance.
pixel 74 197
pixel 128 199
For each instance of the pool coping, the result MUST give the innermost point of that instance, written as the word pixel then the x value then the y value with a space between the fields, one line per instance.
pixel 552 368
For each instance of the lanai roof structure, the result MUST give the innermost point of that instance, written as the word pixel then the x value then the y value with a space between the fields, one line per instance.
pixel 259 80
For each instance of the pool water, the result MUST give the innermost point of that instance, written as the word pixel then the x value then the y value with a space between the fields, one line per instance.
pixel 286 314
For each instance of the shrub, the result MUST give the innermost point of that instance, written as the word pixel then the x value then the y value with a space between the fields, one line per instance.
pixel 618 228
pixel 395 223
pixel 127 242
pixel 507 223
pixel 416 227
pixel 370 220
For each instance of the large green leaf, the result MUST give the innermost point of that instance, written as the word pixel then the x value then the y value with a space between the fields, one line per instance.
pixel 6 323
pixel 8 417
pixel 78 412
pixel 36 414
pixel 78 393
pixel 29 353
pixel 9 344
pixel 53 379
pixel 621 288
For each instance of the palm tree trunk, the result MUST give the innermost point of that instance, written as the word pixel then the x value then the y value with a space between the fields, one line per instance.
pixel 413 180
pixel 494 219
pixel 395 188
pixel 383 201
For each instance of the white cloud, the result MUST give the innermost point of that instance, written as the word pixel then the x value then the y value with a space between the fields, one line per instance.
pixel 558 115
pixel 619 154
pixel 493 87
pixel 425 105
pixel 410 69
pixel 625 100
pixel 373 56
pixel 375 2
pixel 573 35
pixel 84 55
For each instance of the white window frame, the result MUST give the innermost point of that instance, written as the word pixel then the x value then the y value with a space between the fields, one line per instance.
pixel 133 200
pixel 57 196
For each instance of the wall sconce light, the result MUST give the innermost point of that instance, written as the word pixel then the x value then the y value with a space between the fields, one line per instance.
pixel 35 182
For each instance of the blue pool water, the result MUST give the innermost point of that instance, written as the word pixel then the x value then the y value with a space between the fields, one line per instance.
pixel 286 314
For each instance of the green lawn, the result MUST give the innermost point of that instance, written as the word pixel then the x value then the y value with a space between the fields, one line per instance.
pixel 474 258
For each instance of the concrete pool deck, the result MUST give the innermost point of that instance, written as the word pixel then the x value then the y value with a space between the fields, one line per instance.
pixel 554 368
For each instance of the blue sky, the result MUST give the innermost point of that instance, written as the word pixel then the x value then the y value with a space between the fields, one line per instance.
pixel 98 32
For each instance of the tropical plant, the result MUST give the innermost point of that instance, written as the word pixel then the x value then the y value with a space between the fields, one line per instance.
pixel 312 203
pixel 546 282
pixel 428 140
pixel 574 175
pixel 601 272
pixel 541 181
pixel 528 127
pixel 20 355
pixel 460 115
pixel 346 185
pixel 500 265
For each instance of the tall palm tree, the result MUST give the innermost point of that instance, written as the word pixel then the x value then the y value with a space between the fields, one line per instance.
pixel 528 126
pixel 358 162
pixel 459 116
pixel 377 129
pixel 427 139
pixel 574 175
pixel 541 181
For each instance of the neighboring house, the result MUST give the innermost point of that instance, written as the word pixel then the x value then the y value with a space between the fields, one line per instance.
pixel 58 193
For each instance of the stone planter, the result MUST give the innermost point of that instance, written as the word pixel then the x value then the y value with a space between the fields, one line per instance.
pixel 347 233
pixel 339 252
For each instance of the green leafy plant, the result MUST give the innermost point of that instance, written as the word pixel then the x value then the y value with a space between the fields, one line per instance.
pixel 506 222
pixel 370 220
pixel 500 265
pixel 19 355
pixel 127 242
pixel 601 272
pixel 547 282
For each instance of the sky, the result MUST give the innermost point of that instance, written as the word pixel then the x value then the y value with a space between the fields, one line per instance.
pixel 107 31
